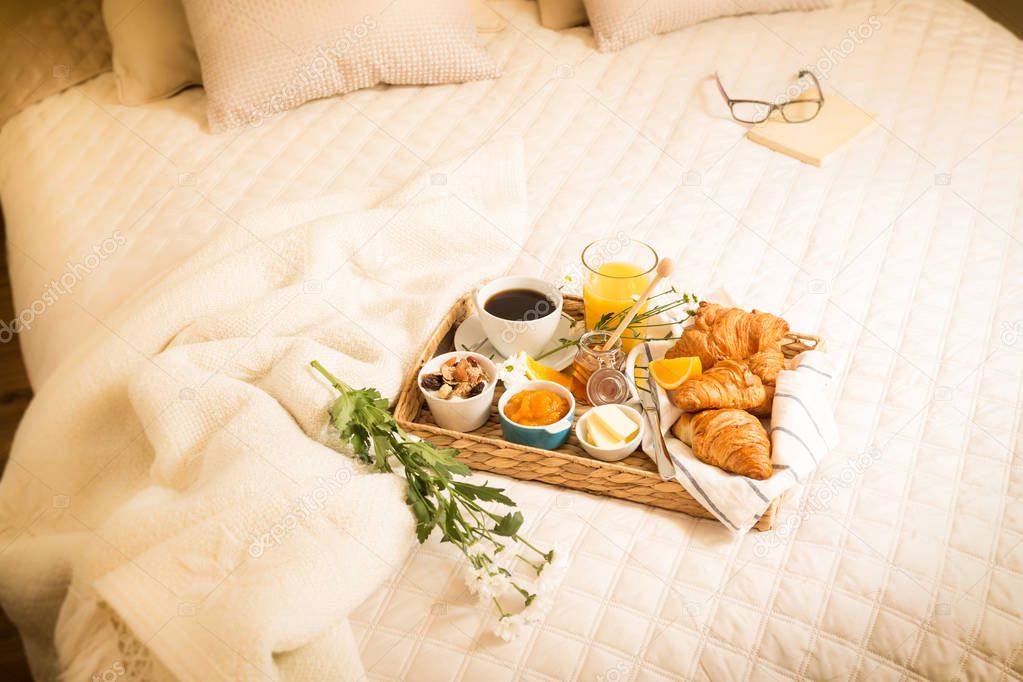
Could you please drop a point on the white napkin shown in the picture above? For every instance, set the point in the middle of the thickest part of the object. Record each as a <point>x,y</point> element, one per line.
<point>802,432</point>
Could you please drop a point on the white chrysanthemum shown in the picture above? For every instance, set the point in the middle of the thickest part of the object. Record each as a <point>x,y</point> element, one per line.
<point>571,282</point>
<point>487,583</point>
<point>553,573</point>
<point>512,371</point>
<point>537,609</point>
<point>509,627</point>
<point>559,558</point>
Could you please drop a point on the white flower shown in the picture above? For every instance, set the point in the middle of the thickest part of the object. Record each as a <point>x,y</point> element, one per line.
<point>537,609</point>
<point>512,371</point>
<point>553,573</point>
<point>559,558</point>
<point>486,582</point>
<point>571,282</point>
<point>509,627</point>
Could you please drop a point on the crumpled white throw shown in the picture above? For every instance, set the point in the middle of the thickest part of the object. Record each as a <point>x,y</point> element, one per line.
<point>173,507</point>
<point>802,430</point>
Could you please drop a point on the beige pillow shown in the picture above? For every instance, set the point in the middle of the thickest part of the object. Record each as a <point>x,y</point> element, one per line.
<point>153,53</point>
<point>49,51</point>
<point>559,14</point>
<point>617,23</point>
<point>259,59</point>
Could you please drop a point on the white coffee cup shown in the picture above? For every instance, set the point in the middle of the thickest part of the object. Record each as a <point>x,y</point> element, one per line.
<point>531,335</point>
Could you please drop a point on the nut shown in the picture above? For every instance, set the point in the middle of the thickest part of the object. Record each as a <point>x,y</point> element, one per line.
<point>444,392</point>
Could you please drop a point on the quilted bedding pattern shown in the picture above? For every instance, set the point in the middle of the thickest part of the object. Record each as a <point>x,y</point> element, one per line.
<point>902,558</point>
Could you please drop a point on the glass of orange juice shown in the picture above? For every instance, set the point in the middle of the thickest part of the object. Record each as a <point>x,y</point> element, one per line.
<point>615,272</point>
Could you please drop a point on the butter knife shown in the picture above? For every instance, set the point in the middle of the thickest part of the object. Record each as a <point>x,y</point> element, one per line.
<point>652,409</point>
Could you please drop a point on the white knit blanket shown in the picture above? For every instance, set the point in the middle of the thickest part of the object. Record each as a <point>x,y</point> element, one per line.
<point>173,485</point>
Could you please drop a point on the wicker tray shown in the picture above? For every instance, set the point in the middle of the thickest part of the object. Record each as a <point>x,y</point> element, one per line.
<point>634,478</point>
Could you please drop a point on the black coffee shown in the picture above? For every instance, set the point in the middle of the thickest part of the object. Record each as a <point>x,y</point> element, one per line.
<point>519,305</point>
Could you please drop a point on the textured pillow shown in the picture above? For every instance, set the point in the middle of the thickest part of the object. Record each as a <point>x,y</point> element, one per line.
<point>559,14</point>
<point>259,59</point>
<point>49,51</point>
<point>617,23</point>
<point>153,53</point>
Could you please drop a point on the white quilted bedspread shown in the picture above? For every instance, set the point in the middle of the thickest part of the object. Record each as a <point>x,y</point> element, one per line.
<point>902,558</point>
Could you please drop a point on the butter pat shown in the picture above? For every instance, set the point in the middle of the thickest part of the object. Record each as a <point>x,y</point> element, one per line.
<point>601,437</point>
<point>615,422</point>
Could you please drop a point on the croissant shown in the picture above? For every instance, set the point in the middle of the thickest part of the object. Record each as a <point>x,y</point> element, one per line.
<point>720,333</point>
<point>766,364</point>
<point>727,384</point>
<point>732,440</point>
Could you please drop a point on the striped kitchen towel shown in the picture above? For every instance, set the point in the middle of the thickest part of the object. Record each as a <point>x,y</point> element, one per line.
<point>802,421</point>
<point>802,429</point>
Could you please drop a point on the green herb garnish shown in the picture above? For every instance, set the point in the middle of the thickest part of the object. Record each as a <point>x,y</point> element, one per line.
<point>436,497</point>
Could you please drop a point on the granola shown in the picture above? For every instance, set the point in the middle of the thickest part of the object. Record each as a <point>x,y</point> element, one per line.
<point>463,378</point>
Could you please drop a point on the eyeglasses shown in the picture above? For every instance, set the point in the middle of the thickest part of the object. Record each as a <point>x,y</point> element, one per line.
<point>758,111</point>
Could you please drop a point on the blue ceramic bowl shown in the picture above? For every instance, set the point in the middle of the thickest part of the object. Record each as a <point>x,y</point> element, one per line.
<point>544,437</point>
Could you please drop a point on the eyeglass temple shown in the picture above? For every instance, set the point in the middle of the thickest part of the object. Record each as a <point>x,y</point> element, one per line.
<point>721,88</point>
<point>817,83</point>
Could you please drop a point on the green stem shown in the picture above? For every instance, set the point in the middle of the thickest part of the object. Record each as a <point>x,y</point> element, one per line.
<point>657,324</point>
<point>562,346</point>
<point>338,384</point>
<point>527,544</point>
<point>536,567</point>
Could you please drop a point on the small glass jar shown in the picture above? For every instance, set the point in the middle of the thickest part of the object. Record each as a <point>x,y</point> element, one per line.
<point>591,357</point>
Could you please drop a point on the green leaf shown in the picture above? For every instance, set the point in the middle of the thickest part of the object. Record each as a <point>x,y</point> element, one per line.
<point>422,512</point>
<point>509,524</point>
<point>483,492</point>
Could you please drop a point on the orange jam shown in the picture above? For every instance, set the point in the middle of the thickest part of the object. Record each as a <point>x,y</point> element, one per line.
<point>536,408</point>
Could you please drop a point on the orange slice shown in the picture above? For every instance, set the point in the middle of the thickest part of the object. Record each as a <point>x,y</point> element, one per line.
<point>670,374</point>
<point>540,372</point>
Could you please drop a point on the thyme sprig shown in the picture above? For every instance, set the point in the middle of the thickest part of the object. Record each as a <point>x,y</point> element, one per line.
<point>610,321</point>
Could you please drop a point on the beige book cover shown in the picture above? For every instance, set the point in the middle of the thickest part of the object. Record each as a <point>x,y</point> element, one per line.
<point>838,124</point>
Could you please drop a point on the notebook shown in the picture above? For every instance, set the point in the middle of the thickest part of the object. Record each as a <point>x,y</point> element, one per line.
<point>838,124</point>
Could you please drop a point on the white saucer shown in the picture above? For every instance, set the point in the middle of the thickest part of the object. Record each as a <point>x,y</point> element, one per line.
<point>470,334</point>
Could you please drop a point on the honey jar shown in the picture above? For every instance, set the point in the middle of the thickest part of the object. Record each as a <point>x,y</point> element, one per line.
<point>592,357</point>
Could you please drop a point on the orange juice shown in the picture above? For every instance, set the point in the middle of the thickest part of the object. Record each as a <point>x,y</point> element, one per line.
<point>610,288</point>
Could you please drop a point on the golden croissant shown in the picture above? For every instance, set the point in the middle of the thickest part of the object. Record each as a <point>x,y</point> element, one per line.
<point>720,333</point>
<point>727,384</point>
<point>733,440</point>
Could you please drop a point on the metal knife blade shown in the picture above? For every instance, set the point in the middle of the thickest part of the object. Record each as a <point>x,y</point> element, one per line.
<point>651,407</point>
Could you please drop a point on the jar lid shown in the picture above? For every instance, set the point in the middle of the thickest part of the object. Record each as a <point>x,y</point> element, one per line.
<point>608,386</point>
<point>594,342</point>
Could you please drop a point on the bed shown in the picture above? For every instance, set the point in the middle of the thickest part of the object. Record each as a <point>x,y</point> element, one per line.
<point>901,559</point>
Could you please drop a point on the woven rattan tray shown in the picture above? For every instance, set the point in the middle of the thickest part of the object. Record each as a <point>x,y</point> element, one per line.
<point>634,479</point>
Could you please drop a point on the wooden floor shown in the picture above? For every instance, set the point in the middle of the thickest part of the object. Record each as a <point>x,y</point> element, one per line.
<point>1009,13</point>
<point>14,395</point>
